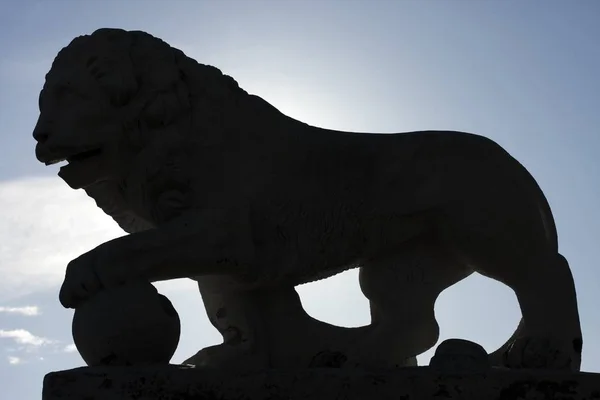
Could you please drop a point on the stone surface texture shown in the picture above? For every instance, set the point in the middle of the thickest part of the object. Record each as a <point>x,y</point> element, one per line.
<point>217,185</point>
<point>416,383</point>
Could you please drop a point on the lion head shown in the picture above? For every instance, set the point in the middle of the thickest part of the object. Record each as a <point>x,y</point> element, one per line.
<point>115,95</point>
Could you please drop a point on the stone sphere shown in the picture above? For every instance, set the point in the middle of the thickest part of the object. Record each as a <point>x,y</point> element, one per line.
<point>129,325</point>
<point>460,355</point>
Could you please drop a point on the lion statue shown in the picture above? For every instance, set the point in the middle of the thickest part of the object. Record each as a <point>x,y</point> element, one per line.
<point>216,185</point>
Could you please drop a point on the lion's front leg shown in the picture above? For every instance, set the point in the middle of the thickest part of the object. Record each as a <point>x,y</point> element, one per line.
<point>269,328</point>
<point>259,327</point>
<point>236,313</point>
<point>194,244</point>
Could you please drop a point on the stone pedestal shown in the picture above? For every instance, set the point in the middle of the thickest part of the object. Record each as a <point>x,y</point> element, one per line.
<point>414,383</point>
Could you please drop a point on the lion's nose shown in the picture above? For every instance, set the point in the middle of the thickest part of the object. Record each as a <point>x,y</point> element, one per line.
<point>41,132</point>
<point>41,137</point>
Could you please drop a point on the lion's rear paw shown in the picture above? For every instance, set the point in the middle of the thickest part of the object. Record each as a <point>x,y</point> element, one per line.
<point>228,357</point>
<point>544,353</point>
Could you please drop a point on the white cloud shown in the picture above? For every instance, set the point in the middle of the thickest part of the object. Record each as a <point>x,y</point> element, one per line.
<point>21,336</point>
<point>70,348</point>
<point>27,343</point>
<point>14,360</point>
<point>28,311</point>
<point>44,224</point>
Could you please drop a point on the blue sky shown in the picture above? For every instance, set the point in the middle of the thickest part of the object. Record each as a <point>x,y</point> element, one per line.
<point>522,73</point>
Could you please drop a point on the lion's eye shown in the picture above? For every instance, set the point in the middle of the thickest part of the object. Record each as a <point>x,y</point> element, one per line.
<point>66,91</point>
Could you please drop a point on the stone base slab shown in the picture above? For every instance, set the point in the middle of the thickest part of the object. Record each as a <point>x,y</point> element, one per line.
<point>176,382</point>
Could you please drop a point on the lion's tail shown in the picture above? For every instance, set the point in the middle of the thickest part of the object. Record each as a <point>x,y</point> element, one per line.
<point>532,189</point>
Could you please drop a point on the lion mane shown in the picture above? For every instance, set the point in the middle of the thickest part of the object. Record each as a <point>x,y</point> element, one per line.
<point>166,102</point>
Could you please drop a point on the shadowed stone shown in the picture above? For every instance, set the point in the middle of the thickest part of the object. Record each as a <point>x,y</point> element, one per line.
<point>456,355</point>
<point>216,185</point>
<point>418,383</point>
<point>129,325</point>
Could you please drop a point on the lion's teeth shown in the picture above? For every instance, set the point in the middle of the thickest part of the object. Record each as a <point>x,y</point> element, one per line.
<point>56,161</point>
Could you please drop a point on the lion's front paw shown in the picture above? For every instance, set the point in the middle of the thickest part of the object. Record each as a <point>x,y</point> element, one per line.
<point>224,356</point>
<point>544,353</point>
<point>91,272</point>
<point>81,281</point>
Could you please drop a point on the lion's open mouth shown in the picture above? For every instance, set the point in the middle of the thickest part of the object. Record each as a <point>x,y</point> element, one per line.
<point>82,169</point>
<point>76,157</point>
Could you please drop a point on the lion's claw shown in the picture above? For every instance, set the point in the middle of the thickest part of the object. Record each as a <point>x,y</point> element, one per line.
<point>90,273</point>
<point>81,282</point>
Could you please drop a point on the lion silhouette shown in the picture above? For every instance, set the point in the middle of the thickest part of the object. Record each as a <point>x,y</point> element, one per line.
<point>216,185</point>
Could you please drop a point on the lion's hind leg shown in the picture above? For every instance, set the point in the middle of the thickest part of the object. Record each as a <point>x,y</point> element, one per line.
<point>551,335</point>
<point>510,244</point>
<point>402,290</point>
